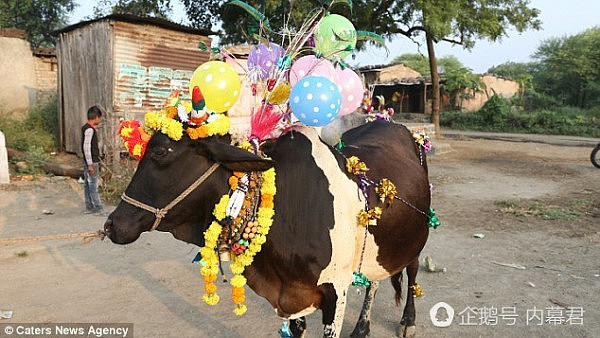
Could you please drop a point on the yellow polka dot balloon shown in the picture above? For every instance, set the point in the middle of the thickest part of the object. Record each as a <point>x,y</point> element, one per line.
<point>219,83</point>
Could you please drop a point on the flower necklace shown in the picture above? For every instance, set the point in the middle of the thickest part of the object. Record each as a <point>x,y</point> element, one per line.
<point>243,251</point>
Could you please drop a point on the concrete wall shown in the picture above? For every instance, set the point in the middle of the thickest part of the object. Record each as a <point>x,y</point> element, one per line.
<point>18,88</point>
<point>500,86</point>
<point>4,178</point>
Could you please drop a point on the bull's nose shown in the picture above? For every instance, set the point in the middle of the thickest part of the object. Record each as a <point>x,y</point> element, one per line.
<point>108,225</point>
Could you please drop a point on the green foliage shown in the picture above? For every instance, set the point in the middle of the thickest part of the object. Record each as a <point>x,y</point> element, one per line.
<point>463,21</point>
<point>461,84</point>
<point>420,63</point>
<point>566,72</point>
<point>113,185</point>
<point>458,81</point>
<point>38,130</point>
<point>37,17</point>
<point>499,115</point>
<point>544,210</point>
<point>568,68</point>
<point>495,111</point>
<point>36,157</point>
<point>150,8</point>
<point>513,70</point>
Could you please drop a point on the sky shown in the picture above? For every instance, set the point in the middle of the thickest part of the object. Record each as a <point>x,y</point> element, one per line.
<point>559,18</point>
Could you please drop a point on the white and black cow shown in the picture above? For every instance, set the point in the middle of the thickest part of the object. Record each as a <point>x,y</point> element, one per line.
<point>315,242</point>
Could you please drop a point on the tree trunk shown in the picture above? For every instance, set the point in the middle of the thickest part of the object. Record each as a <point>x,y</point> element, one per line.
<point>50,167</point>
<point>435,81</point>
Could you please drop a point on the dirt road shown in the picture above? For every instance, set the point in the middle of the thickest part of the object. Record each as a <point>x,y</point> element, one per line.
<point>537,205</point>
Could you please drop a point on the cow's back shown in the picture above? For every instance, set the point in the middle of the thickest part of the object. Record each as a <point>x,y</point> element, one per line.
<point>315,239</point>
<point>389,150</point>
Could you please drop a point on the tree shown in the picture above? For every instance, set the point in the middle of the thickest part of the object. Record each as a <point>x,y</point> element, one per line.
<point>458,22</point>
<point>37,17</point>
<point>416,61</point>
<point>457,81</point>
<point>568,68</point>
<point>151,8</point>
<point>512,70</point>
<point>455,21</point>
<point>461,84</point>
<point>522,72</point>
<point>420,63</point>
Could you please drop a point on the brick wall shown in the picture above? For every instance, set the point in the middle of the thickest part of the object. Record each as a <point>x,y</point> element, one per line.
<point>45,72</point>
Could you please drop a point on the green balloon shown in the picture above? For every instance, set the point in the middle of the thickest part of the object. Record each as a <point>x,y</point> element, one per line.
<point>335,36</point>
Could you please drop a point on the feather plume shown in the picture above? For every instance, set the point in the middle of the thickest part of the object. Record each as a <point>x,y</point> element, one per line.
<point>264,121</point>
<point>370,36</point>
<point>343,2</point>
<point>258,16</point>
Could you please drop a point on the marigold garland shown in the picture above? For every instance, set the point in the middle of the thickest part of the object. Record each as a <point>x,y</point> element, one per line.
<point>218,126</point>
<point>160,122</point>
<point>135,137</point>
<point>241,261</point>
<point>210,260</point>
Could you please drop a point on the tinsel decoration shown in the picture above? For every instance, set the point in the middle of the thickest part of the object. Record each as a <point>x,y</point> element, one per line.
<point>358,279</point>
<point>434,222</point>
<point>369,217</point>
<point>417,290</point>
<point>386,191</point>
<point>355,166</point>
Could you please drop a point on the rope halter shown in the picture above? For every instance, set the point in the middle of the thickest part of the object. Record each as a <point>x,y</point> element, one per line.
<point>160,213</point>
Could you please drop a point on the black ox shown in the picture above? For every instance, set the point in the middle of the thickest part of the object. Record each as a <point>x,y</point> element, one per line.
<point>315,242</point>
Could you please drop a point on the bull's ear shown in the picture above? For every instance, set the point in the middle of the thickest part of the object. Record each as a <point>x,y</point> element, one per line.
<point>236,159</point>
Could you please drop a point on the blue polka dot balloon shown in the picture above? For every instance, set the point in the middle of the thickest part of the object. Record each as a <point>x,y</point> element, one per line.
<point>315,100</point>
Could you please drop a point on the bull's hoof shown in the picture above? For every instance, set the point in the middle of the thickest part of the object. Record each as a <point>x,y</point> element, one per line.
<point>361,331</point>
<point>407,331</point>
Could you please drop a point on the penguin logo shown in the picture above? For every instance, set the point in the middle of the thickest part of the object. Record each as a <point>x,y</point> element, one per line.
<point>438,319</point>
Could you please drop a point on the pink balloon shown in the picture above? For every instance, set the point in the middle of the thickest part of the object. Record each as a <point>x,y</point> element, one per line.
<point>310,65</point>
<point>351,88</point>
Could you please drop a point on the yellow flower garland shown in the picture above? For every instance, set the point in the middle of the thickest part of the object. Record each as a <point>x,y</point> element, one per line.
<point>241,261</point>
<point>160,122</point>
<point>209,256</point>
<point>220,126</point>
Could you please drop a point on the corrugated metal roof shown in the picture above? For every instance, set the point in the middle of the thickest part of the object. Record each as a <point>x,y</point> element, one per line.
<point>149,63</point>
<point>140,20</point>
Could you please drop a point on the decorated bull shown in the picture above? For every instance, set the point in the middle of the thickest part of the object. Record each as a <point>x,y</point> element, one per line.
<point>315,242</point>
<point>298,220</point>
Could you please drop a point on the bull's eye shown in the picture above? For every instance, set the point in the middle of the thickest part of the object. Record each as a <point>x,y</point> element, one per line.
<point>159,151</point>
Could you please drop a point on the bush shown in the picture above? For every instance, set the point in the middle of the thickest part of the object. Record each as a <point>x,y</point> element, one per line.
<point>533,100</point>
<point>497,115</point>
<point>495,110</point>
<point>114,184</point>
<point>35,158</point>
<point>38,129</point>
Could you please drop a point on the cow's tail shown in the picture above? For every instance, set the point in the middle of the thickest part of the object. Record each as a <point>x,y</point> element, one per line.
<point>397,284</point>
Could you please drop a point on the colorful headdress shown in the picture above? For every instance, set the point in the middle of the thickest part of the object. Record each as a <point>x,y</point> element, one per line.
<point>173,119</point>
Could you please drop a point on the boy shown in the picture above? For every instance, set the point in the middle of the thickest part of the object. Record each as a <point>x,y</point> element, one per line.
<point>91,161</point>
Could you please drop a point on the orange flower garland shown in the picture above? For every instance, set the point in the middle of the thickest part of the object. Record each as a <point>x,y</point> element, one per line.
<point>135,138</point>
<point>240,261</point>
<point>218,124</point>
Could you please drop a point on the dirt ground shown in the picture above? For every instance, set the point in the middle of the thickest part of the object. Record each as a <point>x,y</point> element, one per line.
<point>537,205</point>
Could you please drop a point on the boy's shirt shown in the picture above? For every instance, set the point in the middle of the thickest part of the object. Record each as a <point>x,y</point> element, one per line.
<point>89,144</point>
